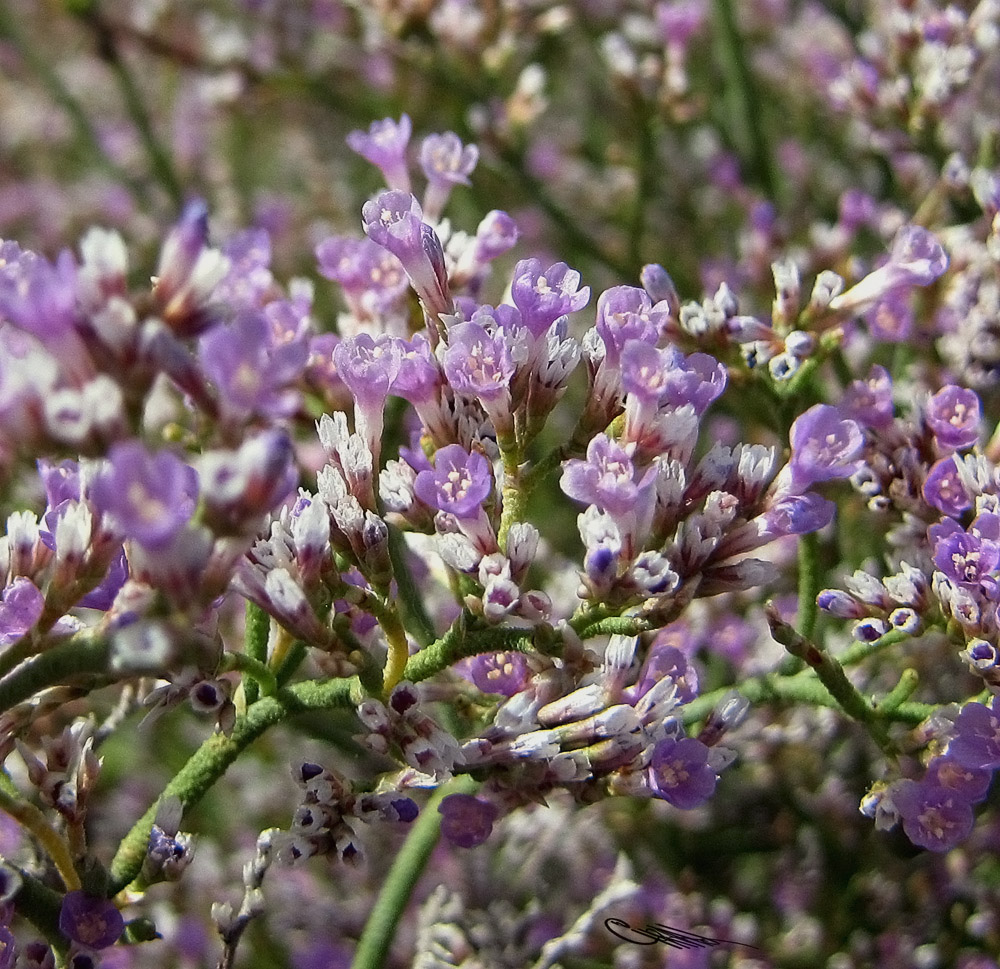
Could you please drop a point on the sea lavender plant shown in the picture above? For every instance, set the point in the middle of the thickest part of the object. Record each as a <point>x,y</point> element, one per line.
<point>339,520</point>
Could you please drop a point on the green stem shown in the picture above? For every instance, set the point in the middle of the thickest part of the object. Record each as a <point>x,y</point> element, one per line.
<point>410,601</point>
<point>32,819</point>
<point>159,160</point>
<point>40,905</point>
<point>460,641</point>
<point>804,687</point>
<point>809,582</point>
<point>743,97</point>
<point>616,626</point>
<point>831,674</point>
<point>291,662</point>
<point>515,497</point>
<point>909,680</point>
<point>258,628</point>
<point>380,929</point>
<point>256,673</point>
<point>215,755</point>
<point>71,658</point>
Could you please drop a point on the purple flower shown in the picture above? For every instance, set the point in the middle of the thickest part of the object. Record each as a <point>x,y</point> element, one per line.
<point>944,489</point>
<point>797,515</point>
<point>646,370</point>
<point>35,295</point>
<point>891,318</point>
<point>478,363</point>
<point>953,414</point>
<point>21,606</point>
<point>917,255</point>
<point>467,820</point>
<point>970,783</point>
<point>626,313</point>
<point>697,380</point>
<point>666,662</point>
<point>680,21</point>
<point>248,281</point>
<point>252,370</point>
<point>368,366</point>
<point>394,221</point>
<point>188,272</point>
<point>459,483</point>
<point>935,818</point>
<point>606,479</point>
<point>446,162</point>
<point>976,743</point>
<point>372,278</point>
<point>916,259</point>
<point>93,922</point>
<point>496,234</point>
<point>869,401</point>
<point>504,672</point>
<point>150,497</point>
<point>825,445</point>
<point>543,295</point>
<point>965,558</point>
<point>384,145</point>
<point>419,375</point>
<point>679,772</point>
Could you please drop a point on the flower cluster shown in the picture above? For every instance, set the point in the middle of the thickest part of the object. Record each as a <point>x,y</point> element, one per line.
<point>512,542</point>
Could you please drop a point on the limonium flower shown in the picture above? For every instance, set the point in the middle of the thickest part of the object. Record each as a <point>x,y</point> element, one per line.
<point>91,921</point>
<point>384,145</point>
<point>149,497</point>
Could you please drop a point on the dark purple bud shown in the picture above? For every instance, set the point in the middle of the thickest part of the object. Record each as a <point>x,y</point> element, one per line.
<point>406,809</point>
<point>467,820</point>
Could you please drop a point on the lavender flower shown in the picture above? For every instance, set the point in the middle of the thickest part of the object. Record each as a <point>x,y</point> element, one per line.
<point>394,220</point>
<point>936,818</point>
<point>445,162</point>
<point>825,445</point>
<point>369,367</point>
<point>916,259</point>
<point>21,606</point>
<point>384,145</point>
<point>459,483</point>
<point>680,774</point>
<point>976,743</point>
<point>90,921</point>
<point>148,497</point>
<point>953,414</point>
<point>504,672</point>
<point>543,295</point>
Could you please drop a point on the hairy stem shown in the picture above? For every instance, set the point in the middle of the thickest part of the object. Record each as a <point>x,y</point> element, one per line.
<point>216,754</point>
<point>380,929</point>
